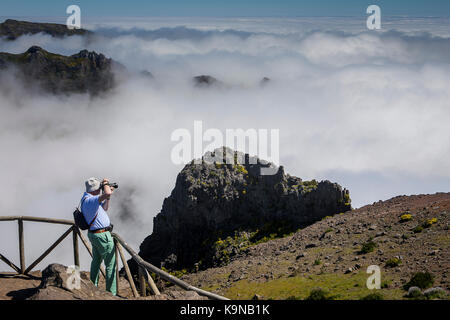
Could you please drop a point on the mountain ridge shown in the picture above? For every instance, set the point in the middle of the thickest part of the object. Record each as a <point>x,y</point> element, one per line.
<point>83,72</point>
<point>12,29</point>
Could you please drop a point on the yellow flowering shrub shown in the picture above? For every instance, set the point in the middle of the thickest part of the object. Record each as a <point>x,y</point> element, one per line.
<point>405,217</point>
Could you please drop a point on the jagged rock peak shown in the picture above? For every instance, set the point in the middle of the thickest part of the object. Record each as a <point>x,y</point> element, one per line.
<point>214,199</point>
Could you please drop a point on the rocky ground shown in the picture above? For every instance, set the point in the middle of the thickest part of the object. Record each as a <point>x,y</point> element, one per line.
<point>327,254</point>
<point>52,284</point>
<point>324,255</point>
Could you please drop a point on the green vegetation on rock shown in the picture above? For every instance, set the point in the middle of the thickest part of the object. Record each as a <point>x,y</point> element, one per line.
<point>309,186</point>
<point>368,247</point>
<point>339,286</point>
<point>418,229</point>
<point>347,200</point>
<point>240,168</point>
<point>272,230</point>
<point>423,280</point>
<point>319,294</point>
<point>373,296</point>
<point>393,262</point>
<point>224,249</point>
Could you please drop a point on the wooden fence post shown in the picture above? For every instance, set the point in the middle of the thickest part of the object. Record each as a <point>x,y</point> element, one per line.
<point>127,269</point>
<point>76,255</point>
<point>21,247</point>
<point>117,266</point>
<point>151,283</point>
<point>166,276</point>
<point>142,284</point>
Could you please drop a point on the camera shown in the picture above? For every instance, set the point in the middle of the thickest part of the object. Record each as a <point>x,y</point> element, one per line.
<point>111,184</point>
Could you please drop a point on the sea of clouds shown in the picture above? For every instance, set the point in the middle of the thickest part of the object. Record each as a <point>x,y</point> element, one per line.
<point>367,109</point>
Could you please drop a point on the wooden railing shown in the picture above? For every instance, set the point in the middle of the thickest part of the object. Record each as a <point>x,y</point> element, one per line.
<point>72,229</point>
<point>144,266</point>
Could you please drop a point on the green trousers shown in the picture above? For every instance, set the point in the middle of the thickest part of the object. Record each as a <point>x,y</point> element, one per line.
<point>103,250</point>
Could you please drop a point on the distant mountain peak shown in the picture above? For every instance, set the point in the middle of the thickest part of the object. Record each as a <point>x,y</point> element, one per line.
<point>12,29</point>
<point>35,49</point>
<point>206,81</point>
<point>84,72</point>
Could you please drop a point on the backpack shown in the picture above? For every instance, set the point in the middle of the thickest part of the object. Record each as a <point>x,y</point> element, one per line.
<point>79,218</point>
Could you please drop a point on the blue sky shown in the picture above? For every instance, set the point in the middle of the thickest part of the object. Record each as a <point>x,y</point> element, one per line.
<point>253,8</point>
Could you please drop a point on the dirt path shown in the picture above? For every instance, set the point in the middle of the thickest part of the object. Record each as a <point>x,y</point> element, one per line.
<point>18,287</point>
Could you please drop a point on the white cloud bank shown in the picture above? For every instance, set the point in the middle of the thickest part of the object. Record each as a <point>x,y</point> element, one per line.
<point>369,110</point>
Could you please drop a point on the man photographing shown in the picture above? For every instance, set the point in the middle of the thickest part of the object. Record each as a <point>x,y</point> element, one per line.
<point>94,204</point>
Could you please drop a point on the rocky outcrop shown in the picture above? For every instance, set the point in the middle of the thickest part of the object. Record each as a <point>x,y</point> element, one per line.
<point>80,73</point>
<point>12,29</point>
<point>212,200</point>
<point>206,81</point>
<point>57,284</point>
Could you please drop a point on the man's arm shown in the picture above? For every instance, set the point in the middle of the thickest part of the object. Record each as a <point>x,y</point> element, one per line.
<point>107,192</point>
<point>105,204</point>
